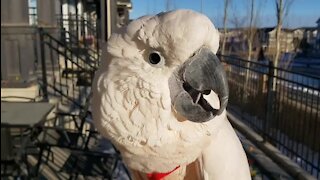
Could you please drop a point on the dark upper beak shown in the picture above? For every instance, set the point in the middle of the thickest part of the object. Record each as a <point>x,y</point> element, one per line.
<point>199,75</point>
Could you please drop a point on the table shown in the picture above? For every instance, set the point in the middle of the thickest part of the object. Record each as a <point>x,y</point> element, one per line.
<point>24,114</point>
<point>27,115</point>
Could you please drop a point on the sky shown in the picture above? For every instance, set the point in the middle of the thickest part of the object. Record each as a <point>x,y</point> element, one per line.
<point>302,13</point>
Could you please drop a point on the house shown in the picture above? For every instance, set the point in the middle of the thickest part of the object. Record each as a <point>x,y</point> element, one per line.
<point>123,8</point>
<point>235,39</point>
<point>291,41</point>
<point>317,47</point>
<point>310,34</point>
<point>107,15</point>
<point>306,39</point>
<point>21,21</point>
<point>286,41</point>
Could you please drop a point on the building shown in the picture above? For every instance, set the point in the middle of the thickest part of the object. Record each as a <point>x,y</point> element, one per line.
<point>317,47</point>
<point>286,41</point>
<point>235,40</point>
<point>73,23</point>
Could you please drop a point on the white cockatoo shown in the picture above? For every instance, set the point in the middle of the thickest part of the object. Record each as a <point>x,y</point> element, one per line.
<point>160,96</point>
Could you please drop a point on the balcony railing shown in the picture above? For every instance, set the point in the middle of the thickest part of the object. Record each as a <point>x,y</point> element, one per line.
<point>281,105</point>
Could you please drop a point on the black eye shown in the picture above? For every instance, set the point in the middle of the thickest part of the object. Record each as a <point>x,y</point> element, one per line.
<point>154,58</point>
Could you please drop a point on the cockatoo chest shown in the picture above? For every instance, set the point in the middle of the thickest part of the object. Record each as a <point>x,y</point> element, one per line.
<point>142,125</point>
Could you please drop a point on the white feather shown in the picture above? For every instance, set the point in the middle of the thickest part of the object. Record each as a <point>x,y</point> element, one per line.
<point>132,105</point>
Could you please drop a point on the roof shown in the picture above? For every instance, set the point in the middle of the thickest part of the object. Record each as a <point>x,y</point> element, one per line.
<point>307,28</point>
<point>267,29</point>
<point>318,21</point>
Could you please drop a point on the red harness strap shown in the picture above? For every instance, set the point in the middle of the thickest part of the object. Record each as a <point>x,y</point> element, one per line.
<point>159,176</point>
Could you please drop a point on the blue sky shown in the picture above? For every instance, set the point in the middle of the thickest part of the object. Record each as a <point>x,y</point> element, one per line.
<point>302,12</point>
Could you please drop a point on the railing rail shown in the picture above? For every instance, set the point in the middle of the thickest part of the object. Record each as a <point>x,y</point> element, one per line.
<point>65,74</point>
<point>72,40</point>
<point>281,105</point>
<point>91,63</point>
<point>81,28</point>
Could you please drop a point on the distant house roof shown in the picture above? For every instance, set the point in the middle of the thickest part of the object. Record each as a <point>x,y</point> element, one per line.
<point>287,30</point>
<point>318,21</point>
<point>231,29</point>
<point>307,28</point>
<point>267,29</point>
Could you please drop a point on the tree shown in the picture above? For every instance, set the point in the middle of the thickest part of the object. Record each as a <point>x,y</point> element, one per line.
<point>236,20</point>
<point>282,9</point>
<point>250,20</point>
<point>225,17</point>
<point>170,4</point>
<point>251,33</point>
<point>252,29</point>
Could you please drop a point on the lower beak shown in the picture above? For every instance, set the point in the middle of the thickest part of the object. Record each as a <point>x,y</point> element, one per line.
<point>198,76</point>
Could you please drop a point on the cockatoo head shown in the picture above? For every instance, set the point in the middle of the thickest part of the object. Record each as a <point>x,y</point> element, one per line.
<point>160,91</point>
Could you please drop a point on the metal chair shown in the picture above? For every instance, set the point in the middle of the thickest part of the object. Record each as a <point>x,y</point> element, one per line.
<point>86,158</point>
<point>14,145</point>
<point>10,158</point>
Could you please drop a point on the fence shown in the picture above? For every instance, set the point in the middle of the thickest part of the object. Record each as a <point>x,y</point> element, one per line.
<point>74,30</point>
<point>281,105</point>
<point>65,73</point>
<point>82,28</point>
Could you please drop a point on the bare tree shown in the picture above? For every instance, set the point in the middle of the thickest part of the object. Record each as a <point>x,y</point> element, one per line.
<point>251,32</point>
<point>225,17</point>
<point>236,20</point>
<point>282,9</point>
<point>251,19</point>
<point>252,28</point>
<point>170,4</point>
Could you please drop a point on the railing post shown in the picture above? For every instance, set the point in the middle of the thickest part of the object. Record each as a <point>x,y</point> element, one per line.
<point>269,103</point>
<point>43,65</point>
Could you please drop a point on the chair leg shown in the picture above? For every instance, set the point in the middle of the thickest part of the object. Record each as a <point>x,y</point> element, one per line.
<point>37,169</point>
<point>49,154</point>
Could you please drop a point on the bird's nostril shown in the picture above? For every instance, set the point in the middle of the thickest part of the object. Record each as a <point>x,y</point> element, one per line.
<point>194,94</point>
<point>206,92</point>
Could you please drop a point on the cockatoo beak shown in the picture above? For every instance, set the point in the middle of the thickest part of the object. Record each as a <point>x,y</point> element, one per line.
<point>198,76</point>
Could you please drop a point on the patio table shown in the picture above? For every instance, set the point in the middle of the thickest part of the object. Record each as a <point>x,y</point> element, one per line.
<point>24,114</point>
<point>28,115</point>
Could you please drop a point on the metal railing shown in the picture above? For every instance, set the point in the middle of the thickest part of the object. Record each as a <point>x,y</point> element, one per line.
<point>281,105</point>
<point>68,75</point>
<point>82,28</point>
<point>65,74</point>
<point>81,48</point>
<point>75,30</point>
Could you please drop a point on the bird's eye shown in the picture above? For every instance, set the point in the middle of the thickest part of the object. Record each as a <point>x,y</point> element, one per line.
<point>154,58</point>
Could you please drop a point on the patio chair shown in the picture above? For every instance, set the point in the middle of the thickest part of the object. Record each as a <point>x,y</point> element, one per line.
<point>86,158</point>
<point>8,165</point>
<point>13,162</point>
<point>93,163</point>
<point>60,136</point>
<point>14,146</point>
